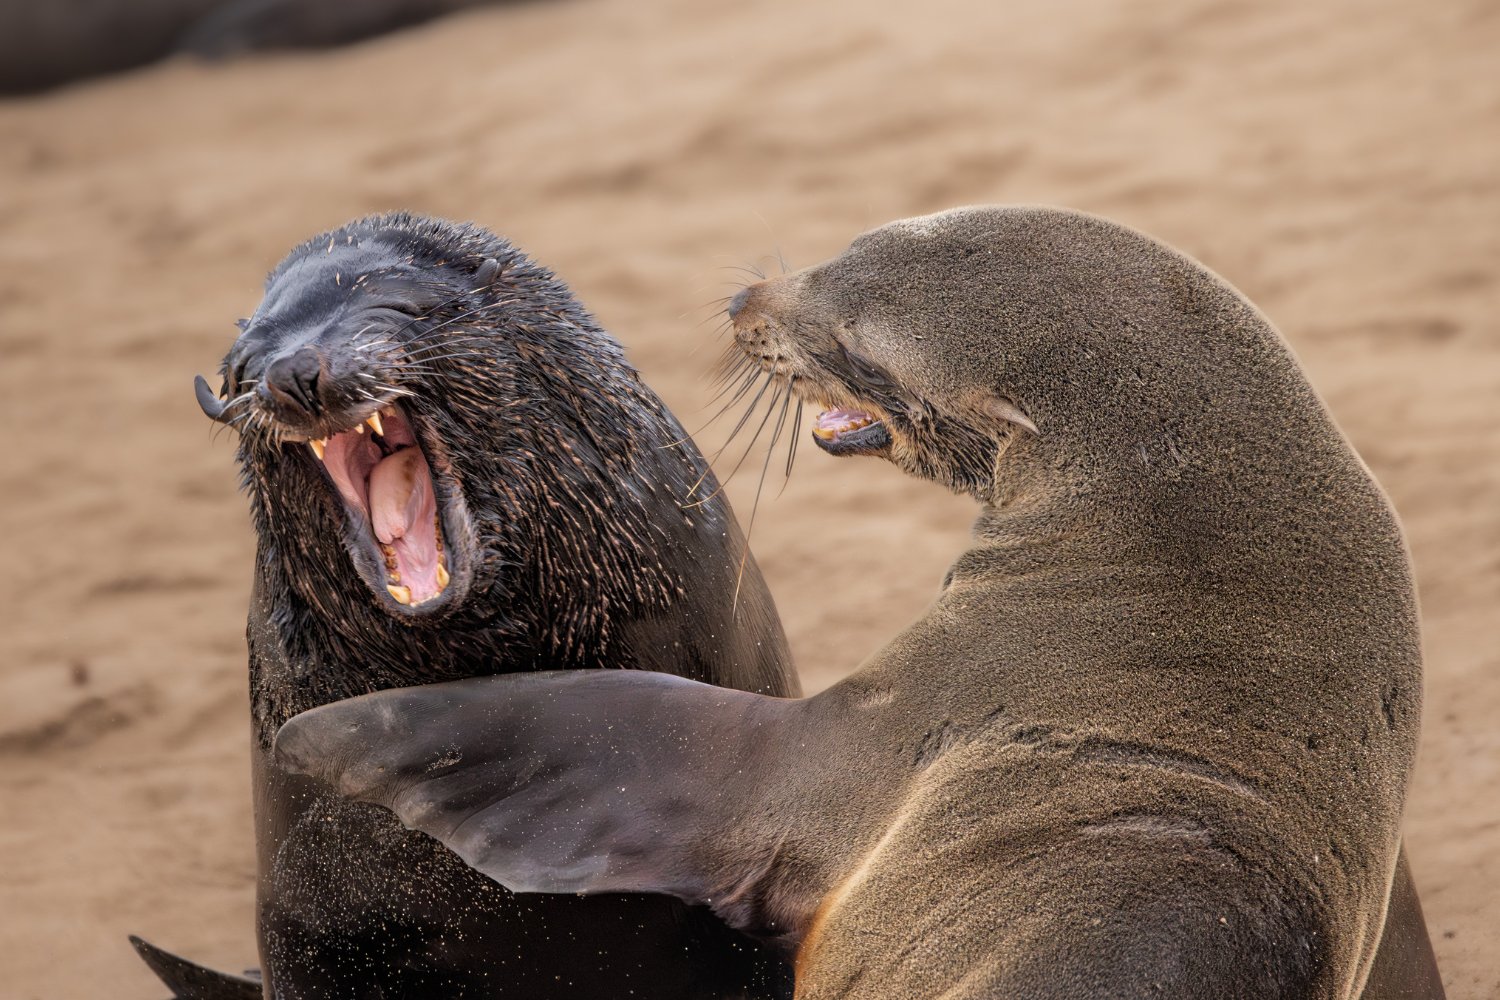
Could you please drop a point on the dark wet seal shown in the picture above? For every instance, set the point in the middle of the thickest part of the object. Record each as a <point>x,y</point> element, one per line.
<point>452,471</point>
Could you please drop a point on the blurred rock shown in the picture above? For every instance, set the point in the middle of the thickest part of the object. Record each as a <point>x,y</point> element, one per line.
<point>48,44</point>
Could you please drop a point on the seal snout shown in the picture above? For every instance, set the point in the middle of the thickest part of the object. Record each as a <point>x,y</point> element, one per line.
<point>851,429</point>
<point>311,388</point>
<point>737,303</point>
<point>292,381</point>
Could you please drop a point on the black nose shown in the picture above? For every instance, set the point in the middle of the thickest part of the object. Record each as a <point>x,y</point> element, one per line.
<point>738,302</point>
<point>292,380</point>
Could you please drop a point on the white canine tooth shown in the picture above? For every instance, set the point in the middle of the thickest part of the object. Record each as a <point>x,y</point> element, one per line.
<point>401,594</point>
<point>442,575</point>
<point>317,445</point>
<point>375,425</point>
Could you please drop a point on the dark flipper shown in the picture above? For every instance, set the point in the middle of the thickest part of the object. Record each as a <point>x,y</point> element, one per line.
<point>188,981</point>
<point>1404,968</point>
<point>583,781</point>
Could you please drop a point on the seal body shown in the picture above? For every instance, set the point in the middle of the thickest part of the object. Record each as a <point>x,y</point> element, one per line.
<point>452,471</point>
<point>1153,736</point>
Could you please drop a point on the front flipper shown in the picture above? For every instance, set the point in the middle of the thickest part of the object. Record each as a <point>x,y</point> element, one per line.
<point>190,981</point>
<point>576,781</point>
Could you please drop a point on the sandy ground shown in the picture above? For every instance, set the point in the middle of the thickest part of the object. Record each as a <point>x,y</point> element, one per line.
<point>1337,161</point>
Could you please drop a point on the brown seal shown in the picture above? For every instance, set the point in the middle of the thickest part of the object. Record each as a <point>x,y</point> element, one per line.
<point>1151,739</point>
<point>453,471</point>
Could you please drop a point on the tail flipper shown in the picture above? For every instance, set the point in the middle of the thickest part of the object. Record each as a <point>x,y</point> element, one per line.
<point>188,981</point>
<point>1404,968</point>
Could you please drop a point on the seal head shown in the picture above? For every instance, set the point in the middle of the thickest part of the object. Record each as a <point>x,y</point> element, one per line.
<point>335,359</point>
<point>445,455</point>
<point>851,341</point>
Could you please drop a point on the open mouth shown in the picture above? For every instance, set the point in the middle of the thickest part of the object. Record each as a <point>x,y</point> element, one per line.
<point>850,432</point>
<point>382,473</point>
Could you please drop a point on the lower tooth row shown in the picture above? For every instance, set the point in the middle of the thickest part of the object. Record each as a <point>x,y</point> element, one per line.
<point>400,593</point>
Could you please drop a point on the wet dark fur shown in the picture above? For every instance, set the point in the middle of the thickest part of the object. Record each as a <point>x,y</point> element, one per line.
<point>580,555</point>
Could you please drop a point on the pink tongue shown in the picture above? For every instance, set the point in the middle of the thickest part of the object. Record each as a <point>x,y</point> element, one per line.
<point>402,509</point>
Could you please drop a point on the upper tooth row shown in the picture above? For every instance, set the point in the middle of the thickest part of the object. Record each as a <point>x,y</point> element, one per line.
<point>827,433</point>
<point>319,445</point>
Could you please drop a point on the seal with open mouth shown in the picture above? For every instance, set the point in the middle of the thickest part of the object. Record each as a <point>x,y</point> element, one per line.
<point>1152,738</point>
<point>453,471</point>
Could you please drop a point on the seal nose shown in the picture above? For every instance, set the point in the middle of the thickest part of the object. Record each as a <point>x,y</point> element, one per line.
<point>738,302</point>
<point>293,380</point>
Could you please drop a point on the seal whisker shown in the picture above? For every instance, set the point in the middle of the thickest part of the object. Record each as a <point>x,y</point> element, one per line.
<point>771,232</point>
<point>227,419</point>
<point>456,355</point>
<point>786,399</point>
<point>712,304</point>
<point>477,310</point>
<point>749,269</point>
<point>736,392</point>
<point>450,342</point>
<point>459,347</point>
<point>731,362</point>
<point>791,451</point>
<point>739,389</point>
<point>731,377</point>
<point>429,313</point>
<point>444,349</point>
<point>719,327</point>
<point>419,342</point>
<point>749,412</point>
<point>760,429</point>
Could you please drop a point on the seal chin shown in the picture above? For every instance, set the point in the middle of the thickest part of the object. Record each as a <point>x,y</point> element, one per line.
<point>396,509</point>
<point>842,431</point>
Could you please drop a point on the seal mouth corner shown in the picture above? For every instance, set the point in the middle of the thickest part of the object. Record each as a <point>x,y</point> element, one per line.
<point>850,431</point>
<point>396,509</point>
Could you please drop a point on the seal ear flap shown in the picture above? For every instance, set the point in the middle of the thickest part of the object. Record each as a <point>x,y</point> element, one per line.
<point>487,273</point>
<point>1003,409</point>
<point>579,781</point>
<point>213,407</point>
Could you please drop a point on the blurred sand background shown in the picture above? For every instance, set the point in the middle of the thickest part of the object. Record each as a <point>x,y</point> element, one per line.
<point>1337,161</point>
